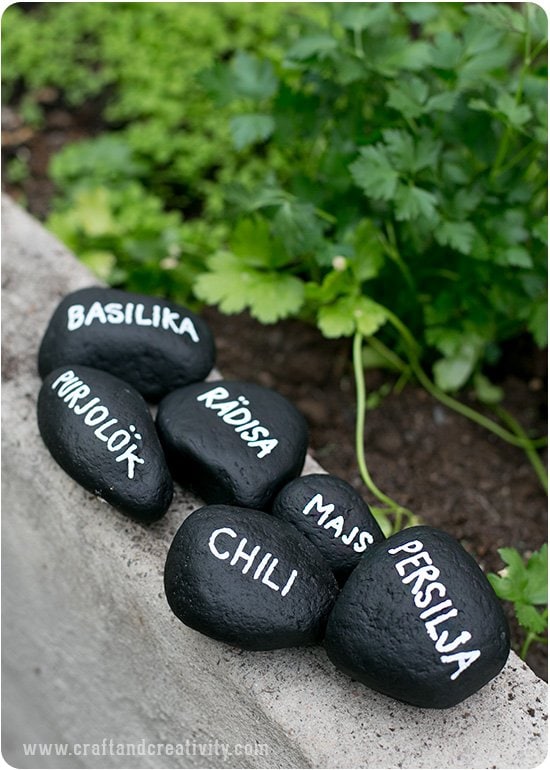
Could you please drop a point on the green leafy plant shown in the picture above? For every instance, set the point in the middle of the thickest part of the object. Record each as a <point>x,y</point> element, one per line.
<point>525,584</point>
<point>395,162</point>
<point>162,142</point>
<point>127,238</point>
<point>404,196</point>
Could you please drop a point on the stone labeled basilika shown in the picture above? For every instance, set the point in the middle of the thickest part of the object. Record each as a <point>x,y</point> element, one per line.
<point>151,343</point>
<point>99,430</point>
<point>419,621</point>
<point>330,513</point>
<point>235,443</point>
<point>243,577</point>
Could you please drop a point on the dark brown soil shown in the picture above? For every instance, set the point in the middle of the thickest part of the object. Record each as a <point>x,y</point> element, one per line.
<point>450,472</point>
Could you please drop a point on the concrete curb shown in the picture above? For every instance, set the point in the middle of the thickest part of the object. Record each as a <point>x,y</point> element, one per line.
<point>92,652</point>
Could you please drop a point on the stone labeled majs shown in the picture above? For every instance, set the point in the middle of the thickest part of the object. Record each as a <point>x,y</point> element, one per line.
<point>99,430</point>
<point>419,621</point>
<point>151,343</point>
<point>232,442</point>
<point>243,577</point>
<point>329,512</point>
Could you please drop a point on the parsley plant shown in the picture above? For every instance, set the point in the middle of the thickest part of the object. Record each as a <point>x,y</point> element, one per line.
<point>526,586</point>
<point>403,195</point>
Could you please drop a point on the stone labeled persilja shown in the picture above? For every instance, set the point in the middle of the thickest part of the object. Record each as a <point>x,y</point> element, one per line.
<point>419,621</point>
<point>232,442</point>
<point>99,430</point>
<point>151,343</point>
<point>245,578</point>
<point>332,515</point>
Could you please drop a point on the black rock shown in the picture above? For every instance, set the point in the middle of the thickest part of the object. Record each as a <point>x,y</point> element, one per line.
<point>248,579</point>
<point>153,344</point>
<point>232,442</point>
<point>419,621</point>
<point>332,515</point>
<point>101,433</point>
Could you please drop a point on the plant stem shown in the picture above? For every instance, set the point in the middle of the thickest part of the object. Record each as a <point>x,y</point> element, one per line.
<point>530,451</point>
<point>358,43</point>
<point>390,244</point>
<point>453,403</point>
<point>391,357</point>
<point>325,215</point>
<point>397,509</point>
<point>529,638</point>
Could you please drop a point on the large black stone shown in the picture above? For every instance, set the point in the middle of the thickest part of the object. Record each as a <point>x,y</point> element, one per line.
<point>419,621</point>
<point>248,579</point>
<point>153,344</point>
<point>209,447</point>
<point>99,430</point>
<point>332,515</point>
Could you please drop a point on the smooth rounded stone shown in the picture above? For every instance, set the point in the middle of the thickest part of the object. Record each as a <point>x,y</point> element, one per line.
<point>331,514</point>
<point>232,442</point>
<point>419,621</point>
<point>151,343</point>
<point>99,430</point>
<point>245,578</point>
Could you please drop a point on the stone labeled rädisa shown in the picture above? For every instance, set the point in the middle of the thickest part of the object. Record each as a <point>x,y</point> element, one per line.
<point>235,443</point>
<point>99,430</point>
<point>151,343</point>
<point>419,621</point>
<point>330,513</point>
<point>245,578</point>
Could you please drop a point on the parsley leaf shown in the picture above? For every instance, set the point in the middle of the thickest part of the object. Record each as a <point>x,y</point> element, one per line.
<point>516,114</point>
<point>368,256</point>
<point>272,296</point>
<point>408,98</point>
<point>374,174</point>
<point>312,45</point>
<point>253,77</point>
<point>458,235</point>
<point>530,618</point>
<point>413,202</point>
<point>297,226</point>
<point>360,16</point>
<point>269,295</point>
<point>253,242</point>
<point>538,321</point>
<point>525,585</point>
<point>249,129</point>
<point>225,285</point>
<point>520,582</point>
<point>349,314</point>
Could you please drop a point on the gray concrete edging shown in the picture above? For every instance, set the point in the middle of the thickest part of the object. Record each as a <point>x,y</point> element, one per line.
<point>91,651</point>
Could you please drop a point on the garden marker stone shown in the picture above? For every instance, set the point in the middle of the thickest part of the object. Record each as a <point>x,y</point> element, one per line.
<point>232,442</point>
<point>99,430</point>
<point>245,578</point>
<point>153,344</point>
<point>419,621</point>
<point>329,512</point>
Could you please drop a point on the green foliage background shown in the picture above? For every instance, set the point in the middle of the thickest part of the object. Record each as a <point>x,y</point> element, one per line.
<point>340,162</point>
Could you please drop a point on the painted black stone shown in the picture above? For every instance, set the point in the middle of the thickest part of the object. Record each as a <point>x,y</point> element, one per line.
<point>419,621</point>
<point>153,344</point>
<point>245,578</point>
<point>331,514</point>
<point>232,442</point>
<point>99,430</point>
